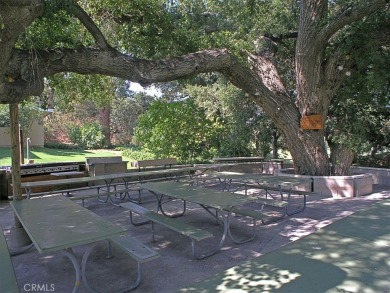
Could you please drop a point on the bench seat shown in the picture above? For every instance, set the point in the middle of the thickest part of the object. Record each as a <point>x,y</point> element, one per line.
<point>282,192</point>
<point>157,163</point>
<point>251,213</point>
<point>8,282</point>
<point>135,249</point>
<point>108,195</point>
<point>194,233</point>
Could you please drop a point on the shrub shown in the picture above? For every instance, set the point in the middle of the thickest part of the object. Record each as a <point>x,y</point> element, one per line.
<point>61,146</point>
<point>138,154</point>
<point>88,136</point>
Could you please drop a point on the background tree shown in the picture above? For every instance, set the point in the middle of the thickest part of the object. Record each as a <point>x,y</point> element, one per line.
<point>73,89</point>
<point>125,112</point>
<point>240,122</point>
<point>179,129</point>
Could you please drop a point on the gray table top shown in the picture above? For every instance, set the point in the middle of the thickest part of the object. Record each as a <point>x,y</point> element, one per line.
<point>264,179</point>
<point>204,196</point>
<point>56,223</point>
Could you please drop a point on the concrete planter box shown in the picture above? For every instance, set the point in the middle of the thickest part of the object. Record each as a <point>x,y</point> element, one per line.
<point>379,175</point>
<point>339,186</point>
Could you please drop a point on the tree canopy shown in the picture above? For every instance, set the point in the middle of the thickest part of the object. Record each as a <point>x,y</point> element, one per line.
<point>291,58</point>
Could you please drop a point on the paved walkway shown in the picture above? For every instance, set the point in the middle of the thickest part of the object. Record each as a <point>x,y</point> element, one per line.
<point>335,259</point>
<point>350,255</point>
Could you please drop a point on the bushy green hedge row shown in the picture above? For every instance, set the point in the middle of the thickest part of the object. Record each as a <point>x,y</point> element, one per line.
<point>136,153</point>
<point>62,146</point>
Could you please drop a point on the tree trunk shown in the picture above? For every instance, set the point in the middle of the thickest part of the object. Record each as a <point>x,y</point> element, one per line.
<point>275,148</point>
<point>341,159</point>
<point>307,148</point>
<point>105,122</point>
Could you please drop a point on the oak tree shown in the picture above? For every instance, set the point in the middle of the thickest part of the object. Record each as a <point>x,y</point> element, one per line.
<point>290,57</point>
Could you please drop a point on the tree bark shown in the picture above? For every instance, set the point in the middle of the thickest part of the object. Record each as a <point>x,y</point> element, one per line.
<point>105,114</point>
<point>275,147</point>
<point>15,147</point>
<point>341,159</point>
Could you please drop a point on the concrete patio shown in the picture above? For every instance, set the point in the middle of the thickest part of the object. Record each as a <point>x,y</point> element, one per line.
<point>175,269</point>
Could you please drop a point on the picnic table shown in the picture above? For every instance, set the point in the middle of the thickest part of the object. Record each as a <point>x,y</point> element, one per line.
<point>282,185</point>
<point>228,178</point>
<point>264,166</point>
<point>225,203</point>
<point>58,224</point>
<point>238,159</point>
<point>67,175</point>
<point>126,178</point>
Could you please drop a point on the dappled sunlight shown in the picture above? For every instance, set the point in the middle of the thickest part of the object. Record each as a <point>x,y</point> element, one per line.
<point>306,227</point>
<point>162,243</point>
<point>272,274</point>
<point>266,276</point>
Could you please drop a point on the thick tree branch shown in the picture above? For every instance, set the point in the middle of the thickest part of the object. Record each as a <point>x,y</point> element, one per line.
<point>112,63</point>
<point>340,65</point>
<point>145,72</point>
<point>352,14</point>
<point>281,37</point>
<point>90,25</point>
<point>14,20</point>
<point>265,68</point>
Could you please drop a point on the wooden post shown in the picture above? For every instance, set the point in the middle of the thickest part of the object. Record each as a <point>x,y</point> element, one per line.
<point>18,236</point>
<point>15,145</point>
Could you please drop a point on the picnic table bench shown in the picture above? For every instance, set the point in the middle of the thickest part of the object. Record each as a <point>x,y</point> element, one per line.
<point>284,186</point>
<point>238,159</point>
<point>8,282</point>
<point>281,191</point>
<point>192,232</point>
<point>157,163</point>
<point>220,205</point>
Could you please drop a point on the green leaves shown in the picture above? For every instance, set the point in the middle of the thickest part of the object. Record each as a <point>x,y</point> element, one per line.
<point>73,88</point>
<point>88,135</point>
<point>178,129</point>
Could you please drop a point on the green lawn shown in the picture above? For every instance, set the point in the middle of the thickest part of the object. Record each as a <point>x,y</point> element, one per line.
<point>48,155</point>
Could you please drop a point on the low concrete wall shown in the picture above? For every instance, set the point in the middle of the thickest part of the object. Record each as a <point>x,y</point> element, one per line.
<point>379,175</point>
<point>339,186</point>
<point>343,186</point>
